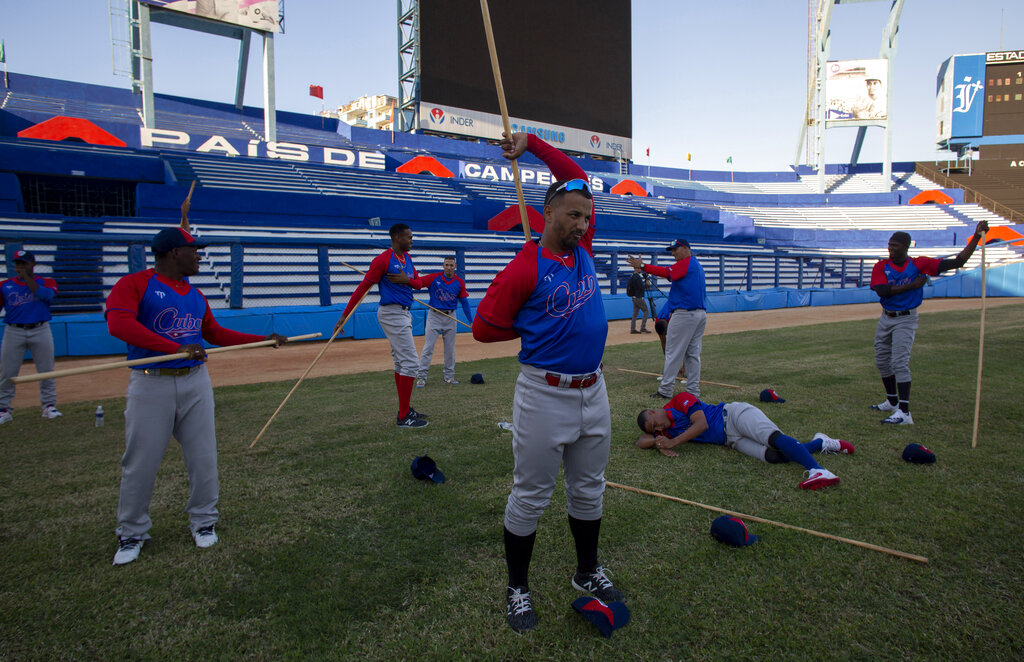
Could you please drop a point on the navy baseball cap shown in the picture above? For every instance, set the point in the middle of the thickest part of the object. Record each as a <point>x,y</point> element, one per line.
<point>732,531</point>
<point>918,454</point>
<point>476,379</point>
<point>425,468</point>
<point>24,256</point>
<point>769,395</point>
<point>170,238</point>
<point>607,616</point>
<point>676,244</point>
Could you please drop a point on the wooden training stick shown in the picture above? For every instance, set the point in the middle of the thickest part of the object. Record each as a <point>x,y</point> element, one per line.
<point>188,201</point>
<point>865,545</point>
<point>981,348</point>
<point>654,374</point>
<point>333,336</point>
<point>86,369</point>
<point>504,115</point>
<point>454,316</point>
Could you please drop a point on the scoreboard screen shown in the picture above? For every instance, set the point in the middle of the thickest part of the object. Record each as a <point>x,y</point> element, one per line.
<point>1004,98</point>
<point>566,63</point>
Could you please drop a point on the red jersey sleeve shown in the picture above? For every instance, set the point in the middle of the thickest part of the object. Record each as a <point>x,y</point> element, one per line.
<point>426,280</point>
<point>878,276</point>
<point>675,272</point>
<point>506,295</point>
<point>929,266</point>
<point>682,402</point>
<point>463,294</point>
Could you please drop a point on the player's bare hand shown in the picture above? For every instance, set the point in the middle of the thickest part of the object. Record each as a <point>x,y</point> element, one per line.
<point>195,351</point>
<point>400,278</point>
<point>339,325</point>
<point>982,227</point>
<point>185,206</point>
<point>920,281</point>
<point>635,262</point>
<point>514,147</point>
<point>668,453</point>
<point>663,443</point>
<point>277,338</point>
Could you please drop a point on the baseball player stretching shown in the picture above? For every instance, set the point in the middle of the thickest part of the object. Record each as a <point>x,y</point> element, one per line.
<point>157,312</point>
<point>445,289</point>
<point>688,319</point>
<point>548,297</point>
<point>396,276</point>
<point>26,299</point>
<point>737,425</point>
<point>898,282</point>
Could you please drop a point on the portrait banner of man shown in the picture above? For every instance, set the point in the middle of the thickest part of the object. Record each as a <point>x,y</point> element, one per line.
<point>856,90</point>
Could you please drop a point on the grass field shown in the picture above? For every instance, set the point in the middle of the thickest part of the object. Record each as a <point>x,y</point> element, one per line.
<point>330,549</point>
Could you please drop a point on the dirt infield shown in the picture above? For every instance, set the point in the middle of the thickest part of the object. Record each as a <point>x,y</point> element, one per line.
<point>251,366</point>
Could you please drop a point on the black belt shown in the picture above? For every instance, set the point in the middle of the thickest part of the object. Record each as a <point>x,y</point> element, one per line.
<point>447,312</point>
<point>397,304</point>
<point>34,325</point>
<point>167,372</point>
<point>897,313</point>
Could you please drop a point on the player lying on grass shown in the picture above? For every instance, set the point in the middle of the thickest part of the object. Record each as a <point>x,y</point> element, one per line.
<point>740,426</point>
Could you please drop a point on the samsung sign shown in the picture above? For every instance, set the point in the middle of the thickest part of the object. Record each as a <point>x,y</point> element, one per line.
<point>476,124</point>
<point>285,151</point>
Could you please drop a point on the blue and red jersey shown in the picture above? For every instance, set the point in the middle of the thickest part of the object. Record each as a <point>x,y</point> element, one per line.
<point>551,302</point>
<point>681,407</point>
<point>23,306</point>
<point>886,272</point>
<point>445,293</point>
<point>157,315</point>
<point>387,262</point>
<point>687,276</point>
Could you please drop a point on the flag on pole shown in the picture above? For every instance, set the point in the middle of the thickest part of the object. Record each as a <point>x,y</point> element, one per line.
<point>316,91</point>
<point>689,156</point>
<point>3,56</point>
<point>729,160</point>
<point>648,151</point>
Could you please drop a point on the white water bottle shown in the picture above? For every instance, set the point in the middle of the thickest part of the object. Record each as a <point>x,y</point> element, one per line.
<point>99,416</point>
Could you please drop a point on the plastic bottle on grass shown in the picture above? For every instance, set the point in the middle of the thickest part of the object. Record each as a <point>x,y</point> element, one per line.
<point>99,417</point>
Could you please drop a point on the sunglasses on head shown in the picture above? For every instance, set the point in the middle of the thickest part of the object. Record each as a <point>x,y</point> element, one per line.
<point>570,185</point>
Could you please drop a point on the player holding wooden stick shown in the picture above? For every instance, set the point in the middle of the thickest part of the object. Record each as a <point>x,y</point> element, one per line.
<point>157,312</point>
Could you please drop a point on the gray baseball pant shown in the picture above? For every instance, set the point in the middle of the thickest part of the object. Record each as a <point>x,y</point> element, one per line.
<point>894,339</point>
<point>38,341</point>
<point>396,321</point>
<point>156,408</point>
<point>554,426</point>
<point>439,324</point>
<point>682,348</point>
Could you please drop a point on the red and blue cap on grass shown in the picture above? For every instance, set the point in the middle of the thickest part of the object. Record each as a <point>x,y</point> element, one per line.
<point>769,395</point>
<point>918,454</point>
<point>607,616</point>
<point>732,531</point>
<point>425,468</point>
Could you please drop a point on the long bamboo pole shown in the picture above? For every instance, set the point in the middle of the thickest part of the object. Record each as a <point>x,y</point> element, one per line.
<point>754,518</point>
<point>504,115</point>
<point>981,349</point>
<point>86,369</point>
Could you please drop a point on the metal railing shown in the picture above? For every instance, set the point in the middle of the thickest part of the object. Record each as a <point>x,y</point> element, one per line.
<point>970,195</point>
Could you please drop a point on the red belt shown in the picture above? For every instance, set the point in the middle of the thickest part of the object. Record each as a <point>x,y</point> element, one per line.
<point>578,381</point>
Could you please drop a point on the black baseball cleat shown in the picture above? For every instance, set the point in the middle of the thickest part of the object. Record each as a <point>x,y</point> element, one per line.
<point>597,584</point>
<point>413,412</point>
<point>411,421</point>
<point>657,394</point>
<point>519,610</point>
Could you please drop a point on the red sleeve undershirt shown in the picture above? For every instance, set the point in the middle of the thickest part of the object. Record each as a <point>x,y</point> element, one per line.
<point>675,272</point>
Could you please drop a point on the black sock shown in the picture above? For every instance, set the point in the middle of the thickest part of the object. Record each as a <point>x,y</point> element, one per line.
<point>585,532</point>
<point>518,551</point>
<point>890,388</point>
<point>904,390</point>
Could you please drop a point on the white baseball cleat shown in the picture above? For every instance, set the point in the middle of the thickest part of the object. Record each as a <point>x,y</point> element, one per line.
<point>50,411</point>
<point>830,445</point>
<point>205,537</point>
<point>127,550</point>
<point>818,478</point>
<point>420,383</point>
<point>899,417</point>
<point>885,406</point>
<point>5,416</point>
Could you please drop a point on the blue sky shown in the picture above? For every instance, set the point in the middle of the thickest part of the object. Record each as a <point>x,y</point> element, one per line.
<point>712,78</point>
